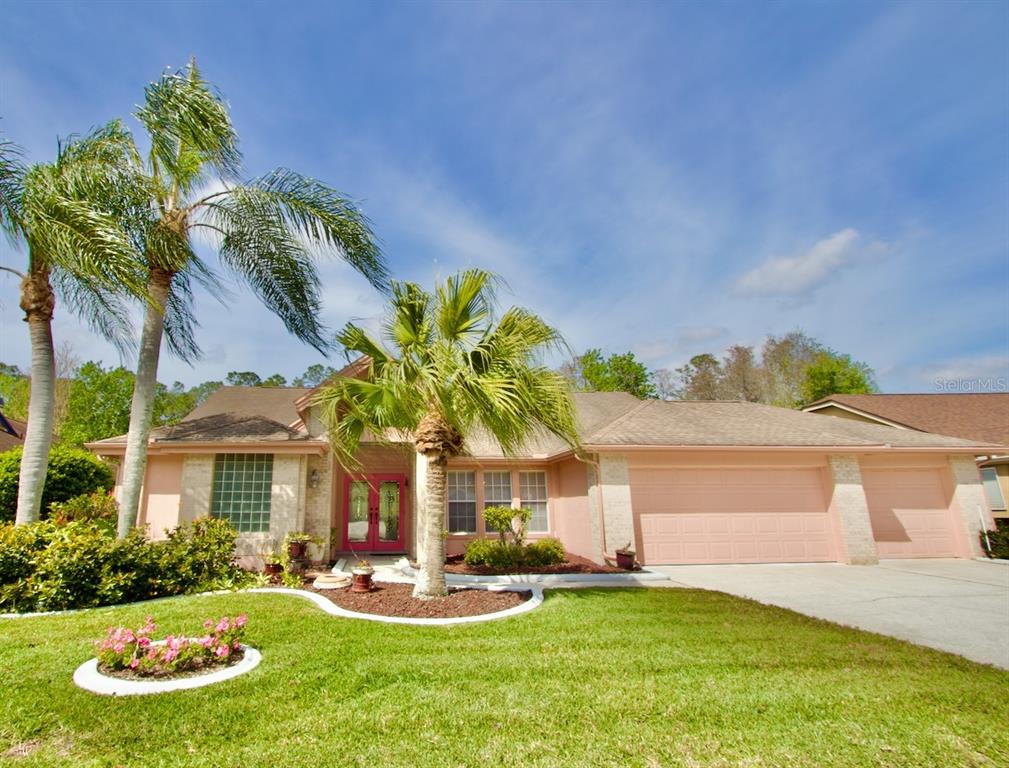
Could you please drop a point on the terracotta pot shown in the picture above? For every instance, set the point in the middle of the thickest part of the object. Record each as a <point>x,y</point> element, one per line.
<point>273,569</point>
<point>361,581</point>
<point>297,548</point>
<point>625,559</point>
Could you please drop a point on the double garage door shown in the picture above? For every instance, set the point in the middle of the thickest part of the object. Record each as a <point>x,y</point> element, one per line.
<point>780,515</point>
<point>732,515</point>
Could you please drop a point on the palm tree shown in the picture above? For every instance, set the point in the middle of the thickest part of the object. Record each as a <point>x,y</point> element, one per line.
<point>71,215</point>
<point>447,371</point>
<point>265,232</point>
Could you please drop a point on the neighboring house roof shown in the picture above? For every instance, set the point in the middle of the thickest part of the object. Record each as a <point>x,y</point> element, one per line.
<point>12,433</point>
<point>657,423</point>
<point>972,416</point>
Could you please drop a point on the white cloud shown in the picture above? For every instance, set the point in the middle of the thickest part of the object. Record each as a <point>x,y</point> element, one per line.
<point>797,276</point>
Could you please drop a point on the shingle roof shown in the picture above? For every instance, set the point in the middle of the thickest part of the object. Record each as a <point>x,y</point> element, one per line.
<point>734,424</point>
<point>7,440</point>
<point>972,416</point>
<point>275,403</point>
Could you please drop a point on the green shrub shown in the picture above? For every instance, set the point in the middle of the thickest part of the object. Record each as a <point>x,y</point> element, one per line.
<point>999,539</point>
<point>51,565</point>
<point>504,556</point>
<point>71,472</point>
<point>545,552</point>
<point>509,523</point>
<point>88,506</point>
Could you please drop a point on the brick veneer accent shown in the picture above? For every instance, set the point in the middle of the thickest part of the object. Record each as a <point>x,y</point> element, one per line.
<point>618,515</point>
<point>319,504</point>
<point>968,495</point>
<point>197,485</point>
<point>852,511</point>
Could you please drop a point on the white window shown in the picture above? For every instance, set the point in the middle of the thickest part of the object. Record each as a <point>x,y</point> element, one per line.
<point>533,495</point>
<point>989,477</point>
<point>462,502</point>
<point>497,492</point>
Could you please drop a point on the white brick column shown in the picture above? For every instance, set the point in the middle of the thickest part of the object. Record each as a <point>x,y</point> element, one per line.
<point>419,502</point>
<point>319,504</point>
<point>618,517</point>
<point>852,511</point>
<point>197,485</point>
<point>968,495</point>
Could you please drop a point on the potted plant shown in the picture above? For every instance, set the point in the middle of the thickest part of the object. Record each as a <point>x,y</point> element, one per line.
<point>273,565</point>
<point>297,544</point>
<point>361,573</point>
<point>625,557</point>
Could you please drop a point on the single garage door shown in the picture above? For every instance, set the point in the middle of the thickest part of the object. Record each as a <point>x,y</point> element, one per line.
<point>732,515</point>
<point>909,513</point>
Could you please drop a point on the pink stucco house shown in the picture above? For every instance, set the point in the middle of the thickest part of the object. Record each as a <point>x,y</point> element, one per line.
<point>683,482</point>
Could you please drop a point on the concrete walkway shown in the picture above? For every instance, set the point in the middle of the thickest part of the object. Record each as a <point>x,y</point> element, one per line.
<point>960,606</point>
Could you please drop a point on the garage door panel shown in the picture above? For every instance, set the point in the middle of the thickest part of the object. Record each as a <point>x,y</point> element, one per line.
<point>909,513</point>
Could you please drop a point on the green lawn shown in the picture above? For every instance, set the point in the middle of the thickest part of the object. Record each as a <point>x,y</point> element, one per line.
<point>596,677</point>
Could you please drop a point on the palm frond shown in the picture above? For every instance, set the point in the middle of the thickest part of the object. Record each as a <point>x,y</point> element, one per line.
<point>102,309</point>
<point>464,304</point>
<point>189,127</point>
<point>324,218</point>
<point>12,174</point>
<point>260,249</point>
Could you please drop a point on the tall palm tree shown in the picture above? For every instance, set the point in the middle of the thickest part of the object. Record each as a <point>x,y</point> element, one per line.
<point>72,216</point>
<point>448,369</point>
<point>265,231</point>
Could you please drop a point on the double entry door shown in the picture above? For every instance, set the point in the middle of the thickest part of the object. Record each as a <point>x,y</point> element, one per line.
<point>375,519</point>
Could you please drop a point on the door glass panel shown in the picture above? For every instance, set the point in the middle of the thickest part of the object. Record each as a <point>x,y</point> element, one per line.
<point>388,510</point>
<point>357,511</point>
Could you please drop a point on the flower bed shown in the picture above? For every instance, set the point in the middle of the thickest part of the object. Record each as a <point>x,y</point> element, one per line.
<point>132,654</point>
<point>572,564</point>
<point>396,599</point>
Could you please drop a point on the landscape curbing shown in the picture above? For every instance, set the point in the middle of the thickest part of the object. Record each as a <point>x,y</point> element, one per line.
<point>331,608</point>
<point>636,577</point>
<point>88,677</point>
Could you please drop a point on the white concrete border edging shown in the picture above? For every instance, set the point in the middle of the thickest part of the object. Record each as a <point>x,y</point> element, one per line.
<point>534,601</point>
<point>88,677</point>
<point>636,577</point>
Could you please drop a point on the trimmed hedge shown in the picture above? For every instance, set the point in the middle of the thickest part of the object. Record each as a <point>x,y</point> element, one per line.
<point>72,472</point>
<point>48,566</point>
<point>504,556</point>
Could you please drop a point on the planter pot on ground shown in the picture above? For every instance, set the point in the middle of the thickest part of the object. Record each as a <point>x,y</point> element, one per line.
<point>273,569</point>
<point>297,549</point>
<point>625,559</point>
<point>361,580</point>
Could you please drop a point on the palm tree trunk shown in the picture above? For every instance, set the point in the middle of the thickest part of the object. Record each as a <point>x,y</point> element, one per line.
<point>431,575</point>
<point>142,408</point>
<point>37,301</point>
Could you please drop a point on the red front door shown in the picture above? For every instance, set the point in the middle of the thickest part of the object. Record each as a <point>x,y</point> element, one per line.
<point>375,518</point>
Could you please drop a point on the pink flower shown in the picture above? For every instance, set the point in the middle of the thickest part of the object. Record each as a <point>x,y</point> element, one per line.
<point>128,636</point>
<point>144,642</point>
<point>208,624</point>
<point>222,651</point>
<point>170,655</point>
<point>172,642</point>
<point>241,621</point>
<point>236,645</point>
<point>134,664</point>
<point>207,641</point>
<point>152,654</point>
<point>222,625</point>
<point>119,648</point>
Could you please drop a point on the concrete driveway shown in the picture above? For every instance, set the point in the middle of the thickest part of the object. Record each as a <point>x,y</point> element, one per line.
<point>960,606</point>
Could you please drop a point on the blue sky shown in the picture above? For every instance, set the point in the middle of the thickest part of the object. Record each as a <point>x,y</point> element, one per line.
<point>668,178</point>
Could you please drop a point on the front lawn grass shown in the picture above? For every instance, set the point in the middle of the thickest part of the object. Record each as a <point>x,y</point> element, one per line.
<point>628,677</point>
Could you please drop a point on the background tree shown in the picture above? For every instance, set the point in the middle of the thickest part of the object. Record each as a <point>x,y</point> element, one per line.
<point>267,232</point>
<point>785,360</point>
<point>445,370</point>
<point>71,214</point>
<point>591,372</point>
<point>700,379</point>
<point>243,379</point>
<point>314,375</point>
<point>741,377</point>
<point>832,373</point>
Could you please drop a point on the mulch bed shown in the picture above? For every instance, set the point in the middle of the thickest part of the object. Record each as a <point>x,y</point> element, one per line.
<point>206,669</point>
<point>388,599</point>
<point>574,564</point>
